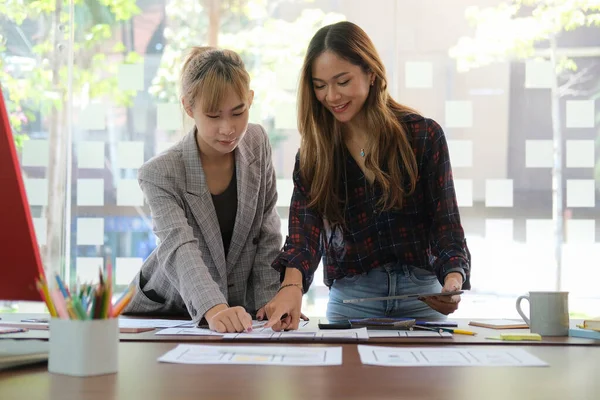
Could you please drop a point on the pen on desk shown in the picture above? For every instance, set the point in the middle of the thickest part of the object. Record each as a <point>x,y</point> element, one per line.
<point>458,331</point>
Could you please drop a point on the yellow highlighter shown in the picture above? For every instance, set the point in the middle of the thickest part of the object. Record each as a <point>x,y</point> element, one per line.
<point>521,336</point>
<point>458,331</point>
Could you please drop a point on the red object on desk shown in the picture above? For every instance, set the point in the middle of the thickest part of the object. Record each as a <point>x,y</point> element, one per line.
<point>20,261</point>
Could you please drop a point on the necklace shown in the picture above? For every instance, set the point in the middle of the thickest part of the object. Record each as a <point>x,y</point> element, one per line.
<point>362,150</point>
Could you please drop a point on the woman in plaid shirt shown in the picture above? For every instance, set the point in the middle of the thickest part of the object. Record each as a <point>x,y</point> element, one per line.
<point>373,193</point>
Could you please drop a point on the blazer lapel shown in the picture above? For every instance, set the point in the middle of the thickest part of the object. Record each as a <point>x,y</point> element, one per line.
<point>248,181</point>
<point>201,204</point>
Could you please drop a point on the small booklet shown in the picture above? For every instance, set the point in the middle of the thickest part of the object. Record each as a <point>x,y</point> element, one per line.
<point>500,324</point>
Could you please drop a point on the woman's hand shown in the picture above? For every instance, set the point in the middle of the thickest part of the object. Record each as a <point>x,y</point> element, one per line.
<point>225,319</point>
<point>283,310</point>
<point>446,304</point>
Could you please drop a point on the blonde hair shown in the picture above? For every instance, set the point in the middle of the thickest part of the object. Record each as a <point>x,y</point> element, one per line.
<point>208,73</point>
<point>389,155</point>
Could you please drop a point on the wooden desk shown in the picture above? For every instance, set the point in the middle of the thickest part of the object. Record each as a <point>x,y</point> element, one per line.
<point>479,339</point>
<point>573,374</point>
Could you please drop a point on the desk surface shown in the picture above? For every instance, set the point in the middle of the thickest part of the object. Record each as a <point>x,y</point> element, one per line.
<point>479,339</point>
<point>573,374</point>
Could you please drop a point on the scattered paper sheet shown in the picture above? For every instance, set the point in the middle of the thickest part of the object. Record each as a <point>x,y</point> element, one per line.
<point>254,355</point>
<point>153,323</point>
<point>415,334</point>
<point>188,332</point>
<point>436,356</point>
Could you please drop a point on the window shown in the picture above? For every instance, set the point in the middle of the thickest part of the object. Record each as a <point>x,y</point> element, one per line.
<point>93,95</point>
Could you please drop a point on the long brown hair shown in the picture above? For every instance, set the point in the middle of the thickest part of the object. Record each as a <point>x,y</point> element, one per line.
<point>389,155</point>
<point>212,71</point>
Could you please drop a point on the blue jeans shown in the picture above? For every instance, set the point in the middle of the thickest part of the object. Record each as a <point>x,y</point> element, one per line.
<point>387,280</point>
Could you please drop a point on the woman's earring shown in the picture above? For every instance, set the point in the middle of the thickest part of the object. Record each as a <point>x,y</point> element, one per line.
<point>372,82</point>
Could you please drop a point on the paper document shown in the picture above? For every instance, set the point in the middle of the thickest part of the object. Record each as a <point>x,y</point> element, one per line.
<point>254,355</point>
<point>153,323</point>
<point>436,356</point>
<point>374,333</point>
<point>303,333</point>
<point>188,332</point>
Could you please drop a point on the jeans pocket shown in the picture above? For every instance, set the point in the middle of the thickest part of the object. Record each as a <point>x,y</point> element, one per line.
<point>351,278</point>
<point>421,276</point>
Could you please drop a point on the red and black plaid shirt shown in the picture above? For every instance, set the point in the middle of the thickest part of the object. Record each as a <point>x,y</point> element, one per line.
<point>425,233</point>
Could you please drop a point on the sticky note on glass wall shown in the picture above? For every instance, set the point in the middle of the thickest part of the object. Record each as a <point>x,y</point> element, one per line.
<point>539,153</point>
<point>459,114</point>
<point>539,75</point>
<point>131,76</point>
<point>86,269</point>
<point>581,154</point>
<point>539,231</point>
<point>499,229</point>
<point>581,193</point>
<point>130,154</point>
<point>418,74</point>
<point>93,117</point>
<point>286,76</point>
<point>90,192</point>
<point>90,231</point>
<point>129,193</point>
<point>40,225</point>
<point>285,115</point>
<point>90,154</point>
<point>126,268</point>
<point>580,114</point>
<point>581,231</point>
<point>461,153</point>
<point>499,193</point>
<point>464,192</point>
<point>35,153</point>
<point>37,191</point>
<point>169,116</point>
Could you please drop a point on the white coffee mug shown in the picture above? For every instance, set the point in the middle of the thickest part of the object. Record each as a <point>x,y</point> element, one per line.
<point>548,313</point>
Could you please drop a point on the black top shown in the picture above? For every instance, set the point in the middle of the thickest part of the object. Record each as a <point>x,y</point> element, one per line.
<point>226,208</point>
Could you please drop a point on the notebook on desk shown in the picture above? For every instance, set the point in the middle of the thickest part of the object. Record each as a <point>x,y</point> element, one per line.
<point>17,353</point>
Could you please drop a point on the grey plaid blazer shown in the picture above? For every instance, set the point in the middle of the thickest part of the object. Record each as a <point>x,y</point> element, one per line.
<point>188,269</point>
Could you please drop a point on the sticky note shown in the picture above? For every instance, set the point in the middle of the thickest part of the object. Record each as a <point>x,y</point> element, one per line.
<point>581,193</point>
<point>90,154</point>
<point>90,231</point>
<point>162,146</point>
<point>285,189</point>
<point>93,117</point>
<point>35,153</point>
<point>286,77</point>
<point>499,193</point>
<point>130,154</point>
<point>87,269</point>
<point>40,225</point>
<point>539,153</point>
<point>539,231</point>
<point>580,231</point>
<point>90,192</point>
<point>459,114</point>
<point>521,336</point>
<point>581,154</point>
<point>580,114</point>
<point>37,191</point>
<point>464,192</point>
<point>129,193</point>
<point>539,75</point>
<point>285,115</point>
<point>131,76</point>
<point>461,153</point>
<point>500,230</point>
<point>126,268</point>
<point>169,116</point>
<point>418,74</point>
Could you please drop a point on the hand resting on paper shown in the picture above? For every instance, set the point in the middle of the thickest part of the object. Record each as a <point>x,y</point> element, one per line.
<point>224,319</point>
<point>446,304</point>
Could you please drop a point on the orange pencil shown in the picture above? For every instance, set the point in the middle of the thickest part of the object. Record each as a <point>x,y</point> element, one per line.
<point>120,306</point>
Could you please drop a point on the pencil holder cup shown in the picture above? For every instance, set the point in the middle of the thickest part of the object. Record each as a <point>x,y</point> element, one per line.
<point>84,348</point>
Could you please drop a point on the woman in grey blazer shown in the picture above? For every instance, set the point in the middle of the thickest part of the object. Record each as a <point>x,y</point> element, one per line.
<point>212,199</point>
